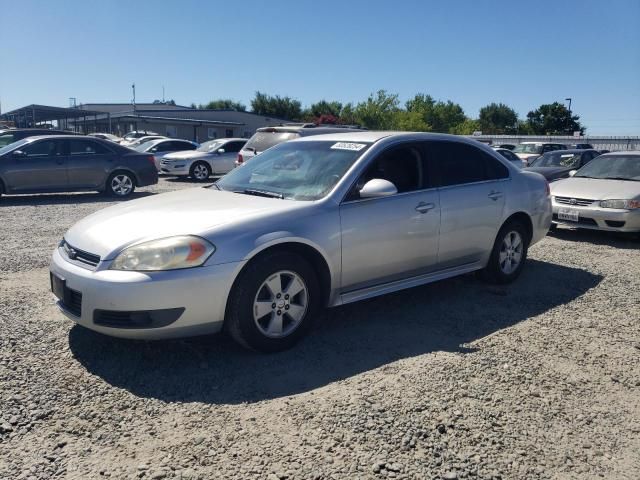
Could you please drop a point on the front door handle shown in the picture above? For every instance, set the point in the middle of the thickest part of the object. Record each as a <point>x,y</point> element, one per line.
<point>425,207</point>
<point>495,195</point>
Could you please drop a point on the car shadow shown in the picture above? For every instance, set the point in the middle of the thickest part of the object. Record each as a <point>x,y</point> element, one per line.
<point>445,316</point>
<point>183,179</point>
<point>65,198</point>
<point>626,241</point>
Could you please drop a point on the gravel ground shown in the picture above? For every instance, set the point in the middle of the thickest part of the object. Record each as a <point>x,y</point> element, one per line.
<point>540,379</point>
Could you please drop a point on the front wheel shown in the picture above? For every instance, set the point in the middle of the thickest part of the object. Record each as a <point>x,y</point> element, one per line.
<point>508,255</point>
<point>273,302</point>
<point>200,171</point>
<point>120,184</point>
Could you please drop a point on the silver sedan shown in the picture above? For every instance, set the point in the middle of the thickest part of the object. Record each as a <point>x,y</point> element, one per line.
<point>311,223</point>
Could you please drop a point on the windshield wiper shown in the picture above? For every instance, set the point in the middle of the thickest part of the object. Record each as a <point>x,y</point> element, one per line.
<point>215,185</point>
<point>622,178</point>
<point>263,193</point>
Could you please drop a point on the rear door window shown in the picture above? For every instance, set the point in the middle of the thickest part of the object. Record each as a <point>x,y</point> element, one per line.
<point>459,164</point>
<point>87,147</point>
<point>232,147</point>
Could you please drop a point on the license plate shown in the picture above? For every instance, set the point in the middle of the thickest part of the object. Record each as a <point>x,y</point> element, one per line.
<point>568,214</point>
<point>57,286</point>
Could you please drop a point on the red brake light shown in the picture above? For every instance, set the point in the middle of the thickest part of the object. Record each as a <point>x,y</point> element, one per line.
<point>240,159</point>
<point>152,160</point>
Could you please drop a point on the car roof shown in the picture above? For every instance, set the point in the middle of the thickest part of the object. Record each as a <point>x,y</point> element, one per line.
<point>623,152</point>
<point>234,139</point>
<point>374,136</point>
<point>53,137</point>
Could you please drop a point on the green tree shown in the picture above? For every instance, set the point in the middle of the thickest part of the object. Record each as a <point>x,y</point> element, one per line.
<point>409,122</point>
<point>276,106</point>
<point>497,119</point>
<point>442,116</point>
<point>224,104</point>
<point>348,114</point>
<point>325,108</point>
<point>466,128</point>
<point>378,111</point>
<point>553,119</point>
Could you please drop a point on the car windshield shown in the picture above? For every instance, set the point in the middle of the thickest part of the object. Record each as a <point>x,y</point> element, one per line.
<point>144,146</point>
<point>619,167</point>
<point>263,140</point>
<point>210,146</point>
<point>297,170</point>
<point>528,148</point>
<point>11,146</point>
<point>554,159</point>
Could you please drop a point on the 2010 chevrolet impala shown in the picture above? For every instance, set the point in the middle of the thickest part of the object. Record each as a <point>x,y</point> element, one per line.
<point>311,223</point>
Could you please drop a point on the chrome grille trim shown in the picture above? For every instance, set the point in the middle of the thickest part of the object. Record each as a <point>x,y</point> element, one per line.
<point>580,202</point>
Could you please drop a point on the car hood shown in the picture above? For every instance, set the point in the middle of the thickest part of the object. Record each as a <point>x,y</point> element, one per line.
<point>595,189</point>
<point>186,155</point>
<point>195,211</point>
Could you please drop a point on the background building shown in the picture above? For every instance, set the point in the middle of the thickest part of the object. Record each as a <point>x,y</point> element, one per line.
<point>174,121</point>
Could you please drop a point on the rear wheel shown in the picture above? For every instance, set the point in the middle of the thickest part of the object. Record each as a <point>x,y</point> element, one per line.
<point>273,302</point>
<point>120,184</point>
<point>200,171</point>
<point>508,255</point>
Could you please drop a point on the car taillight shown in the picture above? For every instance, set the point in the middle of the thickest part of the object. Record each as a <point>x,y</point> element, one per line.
<point>152,160</point>
<point>548,188</point>
<point>240,159</point>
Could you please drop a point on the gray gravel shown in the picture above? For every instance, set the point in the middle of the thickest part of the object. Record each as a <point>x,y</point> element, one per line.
<point>454,380</point>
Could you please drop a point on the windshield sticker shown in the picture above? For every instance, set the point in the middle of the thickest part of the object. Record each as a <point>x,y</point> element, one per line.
<point>355,147</point>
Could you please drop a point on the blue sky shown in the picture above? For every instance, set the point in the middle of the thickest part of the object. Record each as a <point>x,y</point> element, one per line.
<point>520,53</point>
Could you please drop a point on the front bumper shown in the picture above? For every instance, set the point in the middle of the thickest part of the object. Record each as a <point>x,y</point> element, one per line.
<point>175,168</point>
<point>202,292</point>
<point>596,218</point>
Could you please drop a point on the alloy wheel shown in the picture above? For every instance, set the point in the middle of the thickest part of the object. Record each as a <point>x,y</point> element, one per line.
<point>510,252</point>
<point>121,185</point>
<point>280,304</point>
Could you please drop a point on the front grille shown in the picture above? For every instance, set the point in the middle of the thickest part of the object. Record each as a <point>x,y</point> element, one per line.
<point>78,255</point>
<point>584,221</point>
<point>580,202</point>
<point>72,301</point>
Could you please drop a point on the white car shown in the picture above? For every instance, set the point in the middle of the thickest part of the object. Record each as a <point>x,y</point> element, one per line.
<point>139,141</point>
<point>215,157</point>
<point>603,195</point>
<point>268,137</point>
<point>161,147</point>
<point>529,151</point>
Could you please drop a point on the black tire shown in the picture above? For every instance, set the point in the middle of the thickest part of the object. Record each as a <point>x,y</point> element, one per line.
<point>200,171</point>
<point>250,284</point>
<point>495,271</point>
<point>1,189</point>
<point>124,178</point>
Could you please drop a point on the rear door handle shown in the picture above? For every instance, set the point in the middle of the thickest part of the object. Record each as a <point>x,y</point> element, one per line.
<point>425,207</point>
<point>495,195</point>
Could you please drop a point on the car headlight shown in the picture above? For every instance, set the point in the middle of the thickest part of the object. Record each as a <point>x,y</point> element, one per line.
<point>621,204</point>
<point>170,253</point>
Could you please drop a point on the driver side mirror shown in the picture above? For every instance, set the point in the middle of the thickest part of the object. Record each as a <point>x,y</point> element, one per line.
<point>377,187</point>
<point>19,154</point>
<point>572,173</point>
<point>221,151</point>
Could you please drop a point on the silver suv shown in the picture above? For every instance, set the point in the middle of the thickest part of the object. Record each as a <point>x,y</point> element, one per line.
<point>268,137</point>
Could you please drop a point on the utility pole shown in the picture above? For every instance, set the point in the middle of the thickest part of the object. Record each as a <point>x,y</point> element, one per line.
<point>133,87</point>
<point>568,99</point>
<point>162,93</point>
